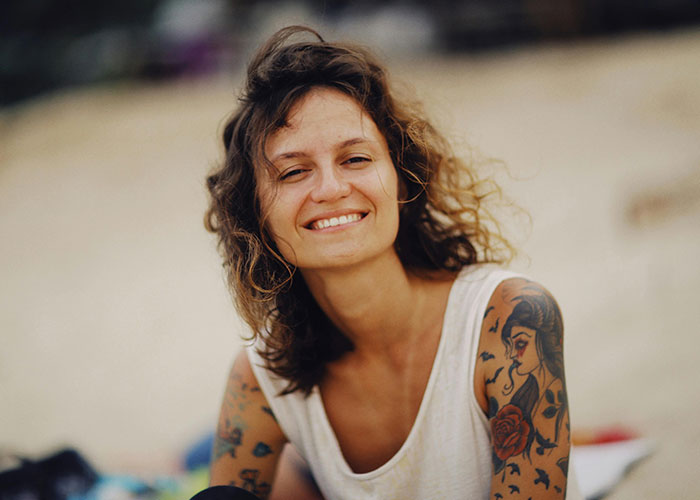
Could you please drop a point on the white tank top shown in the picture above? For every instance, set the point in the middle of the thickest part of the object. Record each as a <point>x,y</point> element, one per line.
<point>447,454</point>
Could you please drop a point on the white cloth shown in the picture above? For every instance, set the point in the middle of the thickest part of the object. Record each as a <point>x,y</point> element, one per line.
<point>601,466</point>
<point>447,454</point>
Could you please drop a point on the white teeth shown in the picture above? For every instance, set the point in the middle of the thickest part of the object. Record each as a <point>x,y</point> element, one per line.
<point>335,221</point>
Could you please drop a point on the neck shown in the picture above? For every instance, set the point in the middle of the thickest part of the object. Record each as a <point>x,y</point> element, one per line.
<point>380,306</point>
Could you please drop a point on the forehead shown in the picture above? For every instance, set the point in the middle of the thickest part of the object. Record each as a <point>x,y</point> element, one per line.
<point>519,329</point>
<point>322,116</point>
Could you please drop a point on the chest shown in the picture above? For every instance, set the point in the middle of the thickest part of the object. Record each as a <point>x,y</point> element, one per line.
<point>373,409</point>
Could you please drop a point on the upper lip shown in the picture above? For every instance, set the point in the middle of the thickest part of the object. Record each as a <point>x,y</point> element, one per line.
<point>333,213</point>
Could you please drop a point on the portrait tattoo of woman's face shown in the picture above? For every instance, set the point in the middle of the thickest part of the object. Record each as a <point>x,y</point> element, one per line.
<point>532,339</point>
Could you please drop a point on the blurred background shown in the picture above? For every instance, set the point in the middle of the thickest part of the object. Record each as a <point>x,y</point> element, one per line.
<point>117,328</point>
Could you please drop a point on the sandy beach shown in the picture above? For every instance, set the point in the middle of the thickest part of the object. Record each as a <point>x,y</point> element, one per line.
<point>117,328</point>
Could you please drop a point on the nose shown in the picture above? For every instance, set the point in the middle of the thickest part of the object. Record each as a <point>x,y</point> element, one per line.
<point>330,185</point>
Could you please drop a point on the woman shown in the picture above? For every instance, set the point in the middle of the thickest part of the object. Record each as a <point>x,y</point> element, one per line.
<point>355,246</point>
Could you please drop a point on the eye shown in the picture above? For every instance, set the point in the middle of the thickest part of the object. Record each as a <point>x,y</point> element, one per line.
<point>293,173</point>
<point>520,344</point>
<point>356,160</point>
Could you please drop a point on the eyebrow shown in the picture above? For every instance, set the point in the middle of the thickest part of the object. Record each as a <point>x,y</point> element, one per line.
<point>522,333</point>
<point>300,154</point>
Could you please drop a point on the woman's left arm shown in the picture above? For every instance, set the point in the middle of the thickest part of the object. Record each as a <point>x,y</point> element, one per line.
<point>520,386</point>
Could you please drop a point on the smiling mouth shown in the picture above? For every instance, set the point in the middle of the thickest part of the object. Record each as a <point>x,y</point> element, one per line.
<point>336,221</point>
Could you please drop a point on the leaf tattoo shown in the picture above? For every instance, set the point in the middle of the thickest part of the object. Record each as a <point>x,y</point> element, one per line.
<point>563,464</point>
<point>549,396</point>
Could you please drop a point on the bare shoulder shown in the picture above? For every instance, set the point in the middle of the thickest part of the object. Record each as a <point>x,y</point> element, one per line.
<point>520,385</point>
<point>248,439</point>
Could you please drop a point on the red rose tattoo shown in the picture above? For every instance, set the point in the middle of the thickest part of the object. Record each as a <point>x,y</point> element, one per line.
<point>510,432</point>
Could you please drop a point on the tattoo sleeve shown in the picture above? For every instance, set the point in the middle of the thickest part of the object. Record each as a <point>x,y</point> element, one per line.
<point>248,440</point>
<point>521,352</point>
<point>232,424</point>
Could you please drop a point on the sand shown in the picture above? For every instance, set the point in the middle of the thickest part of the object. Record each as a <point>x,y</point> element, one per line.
<point>117,330</point>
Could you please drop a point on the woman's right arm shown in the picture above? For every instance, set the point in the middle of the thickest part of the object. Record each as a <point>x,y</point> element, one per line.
<point>248,440</point>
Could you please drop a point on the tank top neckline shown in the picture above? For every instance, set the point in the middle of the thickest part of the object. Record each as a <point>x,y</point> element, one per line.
<point>316,404</point>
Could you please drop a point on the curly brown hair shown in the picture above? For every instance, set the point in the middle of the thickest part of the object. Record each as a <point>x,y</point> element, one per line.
<point>444,224</point>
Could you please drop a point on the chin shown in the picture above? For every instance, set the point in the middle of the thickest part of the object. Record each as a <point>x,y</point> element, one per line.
<point>341,259</point>
<point>335,262</point>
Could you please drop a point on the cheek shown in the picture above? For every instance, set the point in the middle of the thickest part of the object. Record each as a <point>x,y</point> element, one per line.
<point>391,193</point>
<point>394,184</point>
<point>278,211</point>
<point>383,178</point>
<point>520,351</point>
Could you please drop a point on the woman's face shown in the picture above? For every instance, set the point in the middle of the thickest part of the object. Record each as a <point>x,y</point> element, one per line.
<point>331,198</point>
<point>523,351</point>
